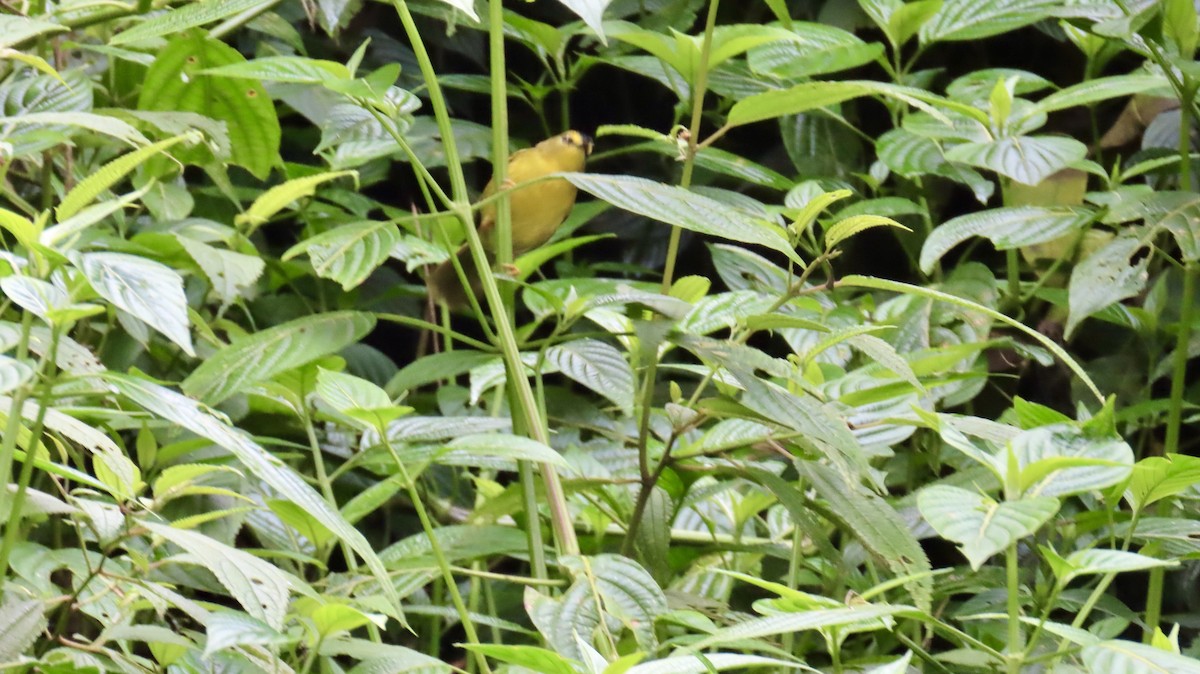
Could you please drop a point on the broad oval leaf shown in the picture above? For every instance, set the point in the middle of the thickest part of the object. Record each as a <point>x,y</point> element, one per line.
<point>1025,159</point>
<point>1128,657</point>
<point>174,83</point>
<point>178,20</point>
<point>349,253</point>
<point>1011,227</point>
<point>148,290</point>
<point>683,208</point>
<point>598,366</point>
<point>1062,459</point>
<point>980,525</point>
<point>1115,272</point>
<point>193,416</point>
<point>262,355</point>
<point>972,19</point>
<point>257,585</point>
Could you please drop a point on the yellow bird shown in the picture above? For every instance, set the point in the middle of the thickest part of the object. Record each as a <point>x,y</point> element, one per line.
<point>537,210</point>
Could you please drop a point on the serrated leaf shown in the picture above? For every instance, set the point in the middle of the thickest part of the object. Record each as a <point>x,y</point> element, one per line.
<point>264,354</point>
<point>178,20</point>
<point>815,95</point>
<point>1095,561</point>
<point>174,83</point>
<point>1128,657</point>
<point>23,622</point>
<point>598,366</point>
<point>95,184</point>
<point>1009,227</point>
<point>980,525</point>
<point>294,69</point>
<point>230,273</point>
<point>192,416</point>
<point>848,227</point>
<point>972,20</point>
<point>498,445</point>
<point>1115,272</point>
<point>683,208</point>
<point>1061,460</point>
<point>109,126</point>
<point>227,629</point>
<point>278,197</point>
<point>785,623</point>
<point>1157,477</point>
<point>258,586</point>
<point>349,253</point>
<point>1025,159</point>
<point>17,29</point>
<point>148,290</point>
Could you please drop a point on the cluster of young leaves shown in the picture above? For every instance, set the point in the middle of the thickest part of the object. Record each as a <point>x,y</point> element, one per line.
<point>207,465</point>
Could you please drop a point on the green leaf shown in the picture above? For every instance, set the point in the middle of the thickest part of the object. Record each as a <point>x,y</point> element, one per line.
<point>227,629</point>
<point>258,586</point>
<point>23,623</point>
<point>1062,460</point>
<point>230,274</point>
<point>755,628</point>
<point>592,13</point>
<point>193,416</point>
<point>1096,90</point>
<point>683,208</point>
<point>1157,477</point>
<point>532,658</point>
<point>13,373</point>
<point>18,29</point>
<point>349,253</point>
<point>1128,657</point>
<point>497,445</point>
<point>981,526</point>
<point>148,290</point>
<point>294,69</point>
<point>178,20</point>
<point>1094,561</point>
<point>855,280</point>
<point>1006,228</point>
<point>681,663</point>
<point>598,366</point>
<point>175,83</point>
<point>961,20</point>
<point>848,227</point>
<point>110,126</point>
<point>278,197</point>
<point>262,355</point>
<point>1115,272</point>
<point>95,184</point>
<point>433,367</point>
<point>1025,159</point>
<point>869,518</point>
<point>465,6</point>
<point>816,95</point>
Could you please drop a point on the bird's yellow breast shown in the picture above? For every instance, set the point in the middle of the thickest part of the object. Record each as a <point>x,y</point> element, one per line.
<point>537,209</point>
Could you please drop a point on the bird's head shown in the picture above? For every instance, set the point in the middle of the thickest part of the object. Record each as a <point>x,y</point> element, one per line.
<point>569,149</point>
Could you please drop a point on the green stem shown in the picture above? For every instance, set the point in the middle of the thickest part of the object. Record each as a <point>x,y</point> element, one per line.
<point>1015,648</point>
<point>16,504</point>
<point>535,425</point>
<point>439,555</point>
<point>689,162</point>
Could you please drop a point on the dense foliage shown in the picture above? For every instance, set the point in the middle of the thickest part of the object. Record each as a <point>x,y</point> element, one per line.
<point>866,347</point>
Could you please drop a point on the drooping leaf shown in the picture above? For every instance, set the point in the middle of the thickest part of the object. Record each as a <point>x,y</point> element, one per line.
<point>266,353</point>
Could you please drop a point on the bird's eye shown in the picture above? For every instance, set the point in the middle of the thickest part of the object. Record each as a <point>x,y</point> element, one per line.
<point>566,138</point>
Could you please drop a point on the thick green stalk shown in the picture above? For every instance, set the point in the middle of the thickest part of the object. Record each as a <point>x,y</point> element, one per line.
<point>504,253</point>
<point>536,426</point>
<point>689,161</point>
<point>1015,648</point>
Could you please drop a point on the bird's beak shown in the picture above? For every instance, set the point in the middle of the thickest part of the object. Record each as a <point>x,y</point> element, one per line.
<point>587,144</point>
